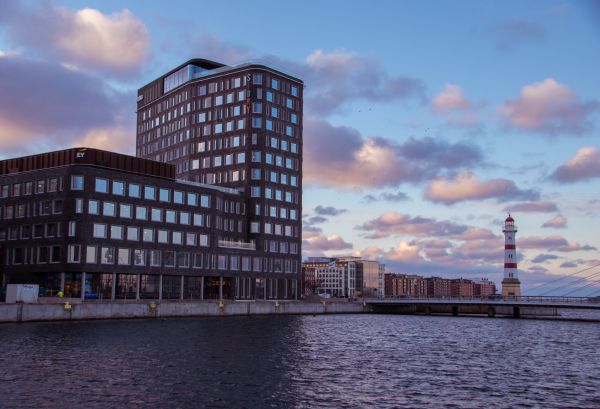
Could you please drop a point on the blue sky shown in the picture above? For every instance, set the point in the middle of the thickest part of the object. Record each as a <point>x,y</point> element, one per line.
<point>425,121</point>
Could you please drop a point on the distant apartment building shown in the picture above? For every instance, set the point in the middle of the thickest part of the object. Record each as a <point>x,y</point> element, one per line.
<point>483,288</point>
<point>438,287</point>
<point>461,288</point>
<point>399,285</point>
<point>357,277</point>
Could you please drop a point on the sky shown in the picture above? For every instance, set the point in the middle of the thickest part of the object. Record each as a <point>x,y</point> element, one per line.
<point>425,122</point>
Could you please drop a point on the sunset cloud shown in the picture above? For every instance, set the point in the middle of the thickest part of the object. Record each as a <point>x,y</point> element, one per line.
<point>467,186</point>
<point>83,110</point>
<point>552,243</point>
<point>114,43</point>
<point>558,222</point>
<point>549,107</point>
<point>320,243</point>
<point>454,106</point>
<point>532,207</point>
<point>584,165</point>
<point>338,156</point>
<point>329,211</point>
<point>392,197</point>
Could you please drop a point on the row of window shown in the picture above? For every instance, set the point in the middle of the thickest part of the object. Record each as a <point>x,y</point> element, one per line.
<point>135,190</point>
<point>274,229</point>
<point>31,209</point>
<point>124,256</point>
<point>28,188</point>
<point>31,231</point>
<point>274,194</point>
<point>149,235</point>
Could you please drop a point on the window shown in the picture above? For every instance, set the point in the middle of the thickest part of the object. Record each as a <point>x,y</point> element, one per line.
<point>93,207</point>
<point>40,186</point>
<point>183,259</point>
<point>101,185</point>
<point>289,130</point>
<point>155,258</point>
<point>134,190</point>
<point>255,174</point>
<point>125,211</point>
<point>74,253</point>
<point>294,118</point>
<point>198,219</point>
<point>255,191</point>
<point>91,254</point>
<point>269,125</point>
<point>156,215</point>
<point>72,228</point>
<point>77,182</point>
<point>274,112</point>
<point>171,216</point>
<point>177,238</point>
<point>192,199</point>
<point>184,218</point>
<point>274,83</point>
<point>148,235</point>
<point>204,201</point>
<point>190,239</point>
<point>139,257</point>
<point>178,197</point>
<point>133,233</point>
<point>116,232</point>
<point>52,185</point>
<point>108,209</point>
<point>141,213</point>
<point>256,122</point>
<point>78,205</point>
<point>294,91</point>
<point>163,236</point>
<point>118,188</point>
<point>149,192</point>
<point>269,96</point>
<point>289,103</point>
<point>255,227</point>
<point>99,231</point>
<point>164,195</point>
<point>107,255</point>
<point>203,240</point>
<point>123,257</point>
<point>169,259</point>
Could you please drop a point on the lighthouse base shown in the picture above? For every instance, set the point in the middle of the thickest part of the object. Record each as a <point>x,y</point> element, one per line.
<point>511,288</point>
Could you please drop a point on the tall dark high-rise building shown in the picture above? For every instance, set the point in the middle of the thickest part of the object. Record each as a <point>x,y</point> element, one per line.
<point>238,127</point>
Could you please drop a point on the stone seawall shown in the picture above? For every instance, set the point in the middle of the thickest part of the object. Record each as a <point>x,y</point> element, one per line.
<point>117,310</point>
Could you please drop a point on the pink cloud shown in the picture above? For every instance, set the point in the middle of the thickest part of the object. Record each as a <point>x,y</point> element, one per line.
<point>315,242</point>
<point>84,109</point>
<point>114,43</point>
<point>338,156</point>
<point>558,222</point>
<point>552,243</point>
<point>403,251</point>
<point>467,186</point>
<point>583,166</point>
<point>532,207</point>
<point>549,107</point>
<point>454,106</point>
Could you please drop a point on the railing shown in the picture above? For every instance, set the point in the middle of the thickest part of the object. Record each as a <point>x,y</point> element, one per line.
<point>236,245</point>
<point>498,297</point>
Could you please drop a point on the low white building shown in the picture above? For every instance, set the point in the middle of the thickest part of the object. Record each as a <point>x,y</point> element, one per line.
<point>336,280</point>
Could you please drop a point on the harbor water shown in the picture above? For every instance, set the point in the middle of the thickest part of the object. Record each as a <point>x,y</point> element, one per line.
<point>329,361</point>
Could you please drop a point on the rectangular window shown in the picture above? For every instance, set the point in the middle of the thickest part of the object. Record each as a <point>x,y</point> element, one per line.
<point>192,199</point>
<point>190,239</point>
<point>203,240</point>
<point>108,209</point>
<point>163,236</point>
<point>91,255</point>
<point>141,213</point>
<point>77,182</point>
<point>156,215</point>
<point>134,190</point>
<point>149,192</point>
<point>139,257</point>
<point>133,233</point>
<point>164,195</point>
<point>183,259</point>
<point>125,211</point>
<point>99,231</point>
<point>123,257</point>
<point>171,216</point>
<point>116,232</point>
<point>204,201</point>
<point>178,197</point>
<point>74,253</point>
<point>294,90</point>
<point>155,258</point>
<point>72,227</point>
<point>93,207</point>
<point>184,218</point>
<point>101,185</point>
<point>107,255</point>
<point>118,188</point>
<point>198,220</point>
<point>148,235</point>
<point>177,238</point>
<point>169,259</point>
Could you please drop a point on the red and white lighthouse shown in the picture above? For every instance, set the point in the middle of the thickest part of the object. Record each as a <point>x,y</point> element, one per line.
<point>511,286</point>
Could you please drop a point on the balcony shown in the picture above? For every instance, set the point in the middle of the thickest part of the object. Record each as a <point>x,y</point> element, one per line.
<point>236,245</point>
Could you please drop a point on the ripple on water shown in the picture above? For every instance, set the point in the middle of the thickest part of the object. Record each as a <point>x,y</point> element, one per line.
<point>346,361</point>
